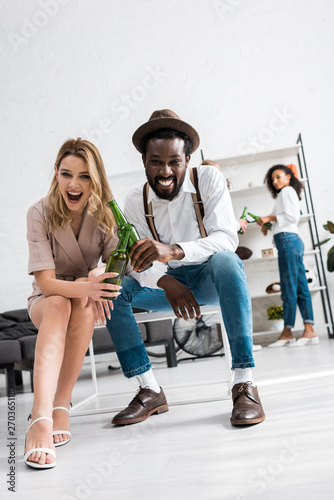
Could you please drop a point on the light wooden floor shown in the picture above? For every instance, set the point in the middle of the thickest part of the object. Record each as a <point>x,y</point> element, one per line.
<point>192,452</point>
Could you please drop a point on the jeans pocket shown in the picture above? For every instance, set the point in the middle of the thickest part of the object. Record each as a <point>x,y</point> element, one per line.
<point>295,245</point>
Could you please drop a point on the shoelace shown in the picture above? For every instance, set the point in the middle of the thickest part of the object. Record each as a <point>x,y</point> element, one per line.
<point>244,388</point>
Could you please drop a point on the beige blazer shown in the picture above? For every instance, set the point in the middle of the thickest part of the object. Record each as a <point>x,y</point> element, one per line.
<point>60,250</point>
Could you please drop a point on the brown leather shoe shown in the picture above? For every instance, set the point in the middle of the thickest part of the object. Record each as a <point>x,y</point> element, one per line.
<point>141,407</point>
<point>247,407</point>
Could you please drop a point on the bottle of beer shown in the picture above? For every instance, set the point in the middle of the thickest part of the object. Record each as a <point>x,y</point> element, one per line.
<point>244,214</point>
<point>118,260</point>
<point>267,225</point>
<point>121,221</point>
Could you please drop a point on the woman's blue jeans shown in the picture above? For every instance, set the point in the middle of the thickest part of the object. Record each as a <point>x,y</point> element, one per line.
<point>294,287</point>
<point>220,280</point>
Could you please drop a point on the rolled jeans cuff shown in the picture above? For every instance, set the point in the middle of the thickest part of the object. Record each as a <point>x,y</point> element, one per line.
<point>249,364</point>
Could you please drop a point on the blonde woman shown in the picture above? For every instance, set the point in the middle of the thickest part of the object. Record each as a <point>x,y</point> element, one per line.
<point>68,232</point>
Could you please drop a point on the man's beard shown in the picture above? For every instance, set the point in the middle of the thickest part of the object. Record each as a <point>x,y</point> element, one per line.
<point>165,196</point>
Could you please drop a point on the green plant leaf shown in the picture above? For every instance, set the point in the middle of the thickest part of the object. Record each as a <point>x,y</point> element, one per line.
<point>322,242</point>
<point>330,226</point>
<point>330,260</point>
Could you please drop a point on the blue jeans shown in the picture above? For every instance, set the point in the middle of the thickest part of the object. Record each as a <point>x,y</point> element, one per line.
<point>220,280</point>
<point>294,287</point>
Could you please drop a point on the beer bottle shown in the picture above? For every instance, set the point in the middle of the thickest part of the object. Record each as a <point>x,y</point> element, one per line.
<point>244,214</point>
<point>121,221</point>
<point>267,225</point>
<point>118,260</point>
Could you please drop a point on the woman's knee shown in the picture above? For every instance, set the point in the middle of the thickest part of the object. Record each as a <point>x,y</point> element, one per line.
<point>58,305</point>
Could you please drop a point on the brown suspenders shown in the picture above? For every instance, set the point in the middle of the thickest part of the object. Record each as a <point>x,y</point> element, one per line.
<point>198,205</point>
<point>149,213</point>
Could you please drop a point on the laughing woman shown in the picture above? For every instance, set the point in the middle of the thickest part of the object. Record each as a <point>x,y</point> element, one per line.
<point>68,232</point>
<point>286,189</point>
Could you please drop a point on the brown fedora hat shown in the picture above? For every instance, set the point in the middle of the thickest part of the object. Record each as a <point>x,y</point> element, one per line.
<point>164,118</point>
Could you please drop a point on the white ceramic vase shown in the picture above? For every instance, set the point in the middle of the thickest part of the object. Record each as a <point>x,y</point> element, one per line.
<point>278,325</point>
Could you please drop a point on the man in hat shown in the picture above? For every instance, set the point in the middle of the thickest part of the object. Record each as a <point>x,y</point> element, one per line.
<point>202,268</point>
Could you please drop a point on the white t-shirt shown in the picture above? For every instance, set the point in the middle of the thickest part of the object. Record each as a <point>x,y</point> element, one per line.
<point>287,211</point>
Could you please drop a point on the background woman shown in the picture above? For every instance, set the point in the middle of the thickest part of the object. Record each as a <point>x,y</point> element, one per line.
<point>286,189</point>
<point>68,232</point>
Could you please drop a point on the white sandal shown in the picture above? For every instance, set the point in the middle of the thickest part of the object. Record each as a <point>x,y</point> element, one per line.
<point>35,465</point>
<point>282,343</point>
<point>302,341</point>
<point>55,433</point>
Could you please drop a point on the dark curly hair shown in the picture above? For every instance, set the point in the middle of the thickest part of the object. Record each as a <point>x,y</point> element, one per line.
<point>294,182</point>
<point>167,133</point>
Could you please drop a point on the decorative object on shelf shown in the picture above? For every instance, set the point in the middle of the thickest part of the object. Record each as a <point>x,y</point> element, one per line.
<point>330,254</point>
<point>268,252</point>
<point>274,287</point>
<point>294,169</point>
<point>311,278</point>
<point>275,314</point>
<point>244,253</point>
<point>229,184</point>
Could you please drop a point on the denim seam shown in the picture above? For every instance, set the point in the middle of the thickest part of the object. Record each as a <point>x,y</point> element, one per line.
<point>243,365</point>
<point>138,371</point>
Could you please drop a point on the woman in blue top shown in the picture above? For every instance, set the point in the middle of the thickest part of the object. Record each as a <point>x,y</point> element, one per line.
<point>286,189</point>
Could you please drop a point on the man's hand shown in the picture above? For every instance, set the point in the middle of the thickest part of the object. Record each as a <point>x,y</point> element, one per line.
<point>180,298</point>
<point>243,224</point>
<point>146,251</point>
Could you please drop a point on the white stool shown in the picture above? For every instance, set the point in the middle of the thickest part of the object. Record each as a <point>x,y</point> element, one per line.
<point>145,317</point>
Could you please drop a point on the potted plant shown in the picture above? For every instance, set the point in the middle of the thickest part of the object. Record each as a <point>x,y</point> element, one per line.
<point>330,254</point>
<point>275,314</point>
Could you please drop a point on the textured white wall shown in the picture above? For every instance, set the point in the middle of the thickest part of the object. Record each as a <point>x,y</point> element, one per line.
<point>97,69</point>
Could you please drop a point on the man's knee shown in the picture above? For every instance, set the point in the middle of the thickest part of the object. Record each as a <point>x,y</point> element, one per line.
<point>226,259</point>
<point>129,286</point>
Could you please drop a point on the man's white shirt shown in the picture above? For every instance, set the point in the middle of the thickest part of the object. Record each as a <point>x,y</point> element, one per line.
<point>176,221</point>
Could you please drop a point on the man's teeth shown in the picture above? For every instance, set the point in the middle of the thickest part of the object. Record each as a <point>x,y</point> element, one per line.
<point>165,183</point>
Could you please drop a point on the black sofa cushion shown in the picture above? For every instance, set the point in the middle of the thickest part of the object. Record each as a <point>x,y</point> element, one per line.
<point>5,322</point>
<point>10,351</point>
<point>18,330</point>
<point>158,331</point>
<point>28,346</point>
<point>18,315</point>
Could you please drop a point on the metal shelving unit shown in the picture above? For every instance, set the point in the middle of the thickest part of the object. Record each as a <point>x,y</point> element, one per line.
<point>252,192</point>
<point>315,240</point>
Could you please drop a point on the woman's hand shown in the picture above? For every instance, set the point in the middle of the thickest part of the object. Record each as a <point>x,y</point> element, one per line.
<point>99,294</point>
<point>263,220</point>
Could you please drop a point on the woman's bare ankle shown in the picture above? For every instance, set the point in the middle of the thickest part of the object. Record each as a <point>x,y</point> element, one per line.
<point>286,334</point>
<point>308,331</point>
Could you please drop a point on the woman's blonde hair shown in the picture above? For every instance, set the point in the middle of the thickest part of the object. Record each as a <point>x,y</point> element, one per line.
<point>97,205</point>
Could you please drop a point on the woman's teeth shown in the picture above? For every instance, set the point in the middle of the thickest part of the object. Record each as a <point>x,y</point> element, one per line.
<point>74,196</point>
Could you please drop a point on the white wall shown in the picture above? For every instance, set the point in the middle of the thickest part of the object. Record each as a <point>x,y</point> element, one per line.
<point>97,69</point>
